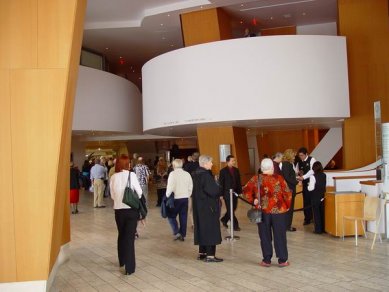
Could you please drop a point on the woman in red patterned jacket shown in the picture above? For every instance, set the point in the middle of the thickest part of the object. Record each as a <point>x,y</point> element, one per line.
<point>275,199</point>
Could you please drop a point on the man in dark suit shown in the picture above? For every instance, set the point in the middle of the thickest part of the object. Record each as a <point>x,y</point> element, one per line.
<point>229,178</point>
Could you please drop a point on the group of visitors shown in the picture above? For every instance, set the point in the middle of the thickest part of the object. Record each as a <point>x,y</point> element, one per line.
<point>197,195</point>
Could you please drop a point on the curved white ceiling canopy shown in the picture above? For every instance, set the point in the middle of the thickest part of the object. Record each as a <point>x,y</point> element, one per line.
<point>254,82</point>
<point>104,14</point>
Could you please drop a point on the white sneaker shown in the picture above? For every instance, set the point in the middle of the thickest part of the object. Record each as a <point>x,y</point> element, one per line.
<point>177,236</point>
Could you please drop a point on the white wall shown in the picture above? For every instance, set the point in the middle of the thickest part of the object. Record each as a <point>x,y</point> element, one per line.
<point>106,102</point>
<point>263,78</point>
<point>329,28</point>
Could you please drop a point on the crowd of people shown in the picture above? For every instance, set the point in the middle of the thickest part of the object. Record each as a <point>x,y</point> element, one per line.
<point>198,195</point>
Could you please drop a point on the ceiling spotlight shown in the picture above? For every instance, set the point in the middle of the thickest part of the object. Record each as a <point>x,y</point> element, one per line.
<point>168,15</point>
<point>161,24</point>
<point>271,17</point>
<point>303,13</point>
<point>140,78</point>
<point>120,57</point>
<point>201,7</point>
<point>106,48</point>
<point>133,71</point>
<point>241,5</point>
<point>241,22</point>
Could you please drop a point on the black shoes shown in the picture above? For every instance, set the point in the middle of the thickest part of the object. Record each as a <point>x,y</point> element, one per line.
<point>307,222</point>
<point>291,229</point>
<point>224,223</point>
<point>212,260</point>
<point>237,229</point>
<point>201,257</point>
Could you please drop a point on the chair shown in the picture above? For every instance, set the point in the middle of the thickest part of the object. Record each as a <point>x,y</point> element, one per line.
<point>370,207</point>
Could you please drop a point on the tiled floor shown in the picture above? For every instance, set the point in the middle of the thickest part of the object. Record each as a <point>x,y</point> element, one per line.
<point>318,262</point>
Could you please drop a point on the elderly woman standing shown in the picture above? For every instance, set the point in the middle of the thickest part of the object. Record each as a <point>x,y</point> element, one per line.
<point>206,199</point>
<point>180,183</point>
<point>126,218</point>
<point>275,199</point>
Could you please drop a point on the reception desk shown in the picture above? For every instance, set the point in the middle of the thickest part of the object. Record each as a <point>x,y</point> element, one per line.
<point>339,204</point>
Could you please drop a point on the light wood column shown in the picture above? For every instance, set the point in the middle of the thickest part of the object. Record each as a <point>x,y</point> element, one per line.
<point>205,26</point>
<point>209,139</point>
<point>40,42</point>
<point>365,24</point>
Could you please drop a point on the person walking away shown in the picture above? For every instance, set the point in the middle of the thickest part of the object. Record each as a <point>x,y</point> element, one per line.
<point>126,217</point>
<point>180,184</point>
<point>98,174</point>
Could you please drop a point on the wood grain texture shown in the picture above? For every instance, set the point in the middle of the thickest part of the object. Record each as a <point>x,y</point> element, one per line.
<point>36,121</point>
<point>7,224</point>
<point>338,205</point>
<point>365,24</point>
<point>205,26</point>
<point>18,31</point>
<point>60,233</point>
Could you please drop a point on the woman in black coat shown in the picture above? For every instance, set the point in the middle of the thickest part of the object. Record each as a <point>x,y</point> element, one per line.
<point>317,187</point>
<point>206,212</point>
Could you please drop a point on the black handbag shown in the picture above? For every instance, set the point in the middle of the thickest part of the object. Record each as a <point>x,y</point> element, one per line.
<point>255,215</point>
<point>130,197</point>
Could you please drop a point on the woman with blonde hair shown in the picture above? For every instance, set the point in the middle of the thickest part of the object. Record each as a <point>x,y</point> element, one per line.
<point>289,174</point>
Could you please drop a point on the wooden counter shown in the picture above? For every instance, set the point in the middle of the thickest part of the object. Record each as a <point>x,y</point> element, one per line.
<point>339,204</point>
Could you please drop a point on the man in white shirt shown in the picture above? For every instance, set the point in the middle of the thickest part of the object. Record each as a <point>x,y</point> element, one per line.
<point>98,174</point>
<point>304,172</point>
<point>180,183</point>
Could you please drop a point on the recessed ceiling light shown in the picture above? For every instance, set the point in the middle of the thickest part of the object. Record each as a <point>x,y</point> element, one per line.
<point>161,24</point>
<point>133,71</point>
<point>241,22</point>
<point>163,38</point>
<point>120,57</point>
<point>271,17</point>
<point>168,15</point>
<point>140,78</point>
<point>201,7</point>
<point>172,45</point>
<point>106,48</point>
<point>303,13</point>
<point>241,5</point>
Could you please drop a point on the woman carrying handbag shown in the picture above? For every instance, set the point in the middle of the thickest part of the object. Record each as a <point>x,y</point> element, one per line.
<point>126,217</point>
<point>274,200</point>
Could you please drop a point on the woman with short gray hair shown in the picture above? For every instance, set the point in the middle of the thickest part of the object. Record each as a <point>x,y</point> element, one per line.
<point>206,211</point>
<point>180,183</point>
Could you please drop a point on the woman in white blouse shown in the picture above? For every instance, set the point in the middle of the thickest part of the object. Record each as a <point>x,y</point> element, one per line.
<point>126,218</point>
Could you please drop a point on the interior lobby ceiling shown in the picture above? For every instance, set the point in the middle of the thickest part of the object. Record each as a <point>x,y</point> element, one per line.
<point>136,31</point>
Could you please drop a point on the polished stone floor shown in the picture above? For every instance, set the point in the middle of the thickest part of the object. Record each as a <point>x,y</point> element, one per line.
<point>318,262</point>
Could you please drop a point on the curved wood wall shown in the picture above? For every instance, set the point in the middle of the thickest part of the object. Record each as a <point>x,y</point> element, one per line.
<point>40,42</point>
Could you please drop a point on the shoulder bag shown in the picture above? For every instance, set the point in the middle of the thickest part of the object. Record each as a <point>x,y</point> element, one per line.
<point>130,198</point>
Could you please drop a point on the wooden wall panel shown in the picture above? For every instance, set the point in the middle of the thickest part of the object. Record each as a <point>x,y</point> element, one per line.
<point>36,103</point>
<point>200,27</point>
<point>278,141</point>
<point>209,139</point>
<point>7,224</point>
<point>55,28</point>
<point>242,152</point>
<point>36,117</point>
<point>61,220</point>
<point>286,30</point>
<point>18,30</point>
<point>365,24</point>
<point>224,22</point>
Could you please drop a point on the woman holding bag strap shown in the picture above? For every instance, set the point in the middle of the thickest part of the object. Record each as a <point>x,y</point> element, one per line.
<point>274,200</point>
<point>126,218</point>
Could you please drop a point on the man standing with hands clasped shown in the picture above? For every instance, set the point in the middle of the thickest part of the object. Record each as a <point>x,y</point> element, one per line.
<point>304,172</point>
<point>229,178</point>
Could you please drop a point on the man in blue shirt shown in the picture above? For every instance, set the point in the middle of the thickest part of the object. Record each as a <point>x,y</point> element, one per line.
<point>98,174</point>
